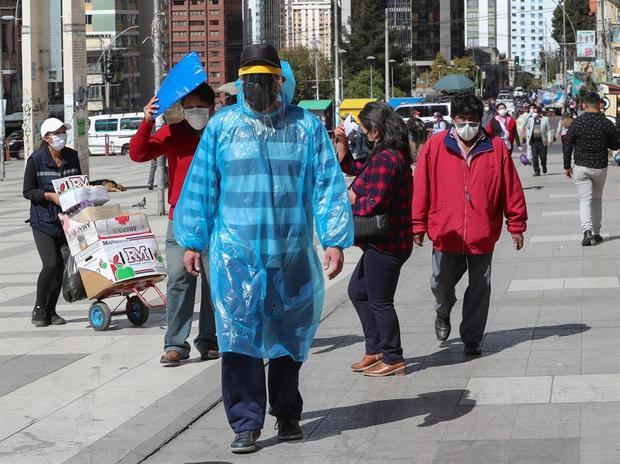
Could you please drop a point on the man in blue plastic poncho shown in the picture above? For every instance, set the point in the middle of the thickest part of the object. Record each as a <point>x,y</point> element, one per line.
<point>263,170</point>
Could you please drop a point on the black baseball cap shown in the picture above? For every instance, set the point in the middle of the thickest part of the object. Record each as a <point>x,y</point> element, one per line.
<point>260,59</point>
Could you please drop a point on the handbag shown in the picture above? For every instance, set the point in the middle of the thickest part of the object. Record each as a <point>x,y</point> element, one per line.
<point>369,227</point>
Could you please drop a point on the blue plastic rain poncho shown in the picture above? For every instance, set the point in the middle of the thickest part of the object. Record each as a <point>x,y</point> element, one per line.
<point>249,199</point>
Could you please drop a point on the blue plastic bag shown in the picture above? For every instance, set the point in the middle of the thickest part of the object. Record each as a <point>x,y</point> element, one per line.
<point>184,77</point>
<point>288,88</point>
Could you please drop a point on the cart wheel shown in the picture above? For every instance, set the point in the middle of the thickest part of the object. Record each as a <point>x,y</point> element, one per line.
<point>99,316</point>
<point>137,312</point>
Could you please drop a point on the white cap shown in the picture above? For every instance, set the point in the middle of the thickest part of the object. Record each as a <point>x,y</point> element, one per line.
<point>52,125</point>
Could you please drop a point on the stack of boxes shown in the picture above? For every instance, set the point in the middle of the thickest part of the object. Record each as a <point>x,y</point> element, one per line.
<point>110,247</point>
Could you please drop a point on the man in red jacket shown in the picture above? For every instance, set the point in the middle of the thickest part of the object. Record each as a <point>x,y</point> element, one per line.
<point>465,182</point>
<point>178,143</point>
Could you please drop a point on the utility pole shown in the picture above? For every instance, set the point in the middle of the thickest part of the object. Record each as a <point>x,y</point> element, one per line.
<point>158,72</point>
<point>2,132</point>
<point>564,45</point>
<point>316,71</point>
<point>337,74</point>
<point>387,58</point>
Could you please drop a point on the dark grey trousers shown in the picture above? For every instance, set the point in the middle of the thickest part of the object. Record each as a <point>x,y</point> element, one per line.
<point>448,269</point>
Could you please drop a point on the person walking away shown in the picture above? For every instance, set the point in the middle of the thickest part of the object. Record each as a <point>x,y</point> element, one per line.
<point>264,169</point>
<point>465,183</point>
<point>53,160</point>
<point>489,113</point>
<point>178,142</point>
<point>440,123</point>
<point>504,126</point>
<point>417,133</point>
<point>587,140</point>
<point>383,185</point>
<point>537,130</point>
<point>563,124</point>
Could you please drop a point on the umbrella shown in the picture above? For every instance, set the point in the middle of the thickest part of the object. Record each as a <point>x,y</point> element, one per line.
<point>454,83</point>
<point>229,88</point>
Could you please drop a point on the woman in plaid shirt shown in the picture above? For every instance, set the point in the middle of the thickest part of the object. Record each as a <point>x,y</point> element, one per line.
<point>383,184</point>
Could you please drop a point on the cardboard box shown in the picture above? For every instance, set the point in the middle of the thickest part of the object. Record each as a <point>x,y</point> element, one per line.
<point>74,191</point>
<point>93,213</point>
<point>81,235</point>
<point>110,263</point>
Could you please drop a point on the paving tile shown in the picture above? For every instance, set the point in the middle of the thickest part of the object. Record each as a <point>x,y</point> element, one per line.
<point>554,362</point>
<point>508,390</point>
<point>545,451</point>
<point>600,362</point>
<point>547,421</point>
<point>586,388</point>
<point>472,452</point>
<point>600,420</point>
<point>482,422</point>
<point>536,284</point>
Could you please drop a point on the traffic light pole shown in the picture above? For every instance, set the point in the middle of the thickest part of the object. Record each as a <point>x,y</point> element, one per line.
<point>108,78</point>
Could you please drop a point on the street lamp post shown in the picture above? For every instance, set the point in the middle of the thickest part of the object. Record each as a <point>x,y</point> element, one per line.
<point>2,132</point>
<point>371,60</point>
<point>341,51</point>
<point>392,61</point>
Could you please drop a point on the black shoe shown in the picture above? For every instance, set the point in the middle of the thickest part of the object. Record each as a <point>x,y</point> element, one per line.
<point>442,328</point>
<point>55,319</point>
<point>473,349</point>
<point>245,442</point>
<point>39,317</point>
<point>544,170</point>
<point>597,238</point>
<point>150,186</point>
<point>537,174</point>
<point>289,430</point>
<point>588,238</point>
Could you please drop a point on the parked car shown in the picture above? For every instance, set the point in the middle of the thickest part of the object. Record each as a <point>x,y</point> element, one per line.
<point>114,129</point>
<point>14,142</point>
<point>518,92</point>
<point>426,111</point>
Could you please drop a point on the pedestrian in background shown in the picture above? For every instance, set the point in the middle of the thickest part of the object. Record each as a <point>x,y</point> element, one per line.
<point>587,140</point>
<point>383,186</point>
<point>563,124</point>
<point>417,133</point>
<point>465,184</point>
<point>53,160</point>
<point>440,124</point>
<point>504,126</point>
<point>264,172</point>
<point>537,130</point>
<point>489,113</point>
<point>178,142</point>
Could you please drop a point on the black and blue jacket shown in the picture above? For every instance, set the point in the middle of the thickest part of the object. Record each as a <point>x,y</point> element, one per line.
<point>41,169</point>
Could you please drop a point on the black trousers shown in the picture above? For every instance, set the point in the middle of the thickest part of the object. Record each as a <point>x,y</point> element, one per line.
<point>49,283</point>
<point>539,156</point>
<point>371,290</point>
<point>245,395</point>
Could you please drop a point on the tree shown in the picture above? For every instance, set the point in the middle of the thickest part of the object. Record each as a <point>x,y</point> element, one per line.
<point>359,85</point>
<point>302,61</point>
<point>578,16</point>
<point>439,68</point>
<point>464,65</point>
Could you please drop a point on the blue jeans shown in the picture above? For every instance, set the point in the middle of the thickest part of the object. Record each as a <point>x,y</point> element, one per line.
<point>181,294</point>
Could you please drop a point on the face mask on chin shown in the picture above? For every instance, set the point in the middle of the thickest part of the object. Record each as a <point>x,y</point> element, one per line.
<point>197,118</point>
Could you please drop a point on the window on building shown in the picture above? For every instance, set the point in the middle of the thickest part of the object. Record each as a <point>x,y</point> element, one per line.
<point>198,2</point>
<point>216,74</point>
<point>200,32</point>
<point>213,33</point>
<point>178,2</point>
<point>179,23</point>
<point>214,2</point>
<point>89,19</point>
<point>213,22</point>
<point>213,52</point>
<point>196,23</point>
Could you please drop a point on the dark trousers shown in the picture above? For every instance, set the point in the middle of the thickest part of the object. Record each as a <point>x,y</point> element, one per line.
<point>448,269</point>
<point>371,290</point>
<point>245,394</point>
<point>539,156</point>
<point>49,283</point>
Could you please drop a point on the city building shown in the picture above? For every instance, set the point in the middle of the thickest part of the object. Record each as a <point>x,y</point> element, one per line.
<point>11,59</point>
<point>213,29</point>
<point>262,22</point>
<point>399,24</point>
<point>309,24</point>
<point>113,51</point>
<point>438,26</point>
<point>481,23</point>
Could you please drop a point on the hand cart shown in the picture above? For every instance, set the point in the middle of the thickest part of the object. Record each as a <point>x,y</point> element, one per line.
<point>137,308</point>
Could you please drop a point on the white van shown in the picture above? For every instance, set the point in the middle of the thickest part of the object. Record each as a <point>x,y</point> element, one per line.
<point>114,129</point>
<point>427,110</point>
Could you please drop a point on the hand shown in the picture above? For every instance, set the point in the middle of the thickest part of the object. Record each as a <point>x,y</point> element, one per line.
<point>150,109</point>
<point>53,197</point>
<point>517,240</point>
<point>191,261</point>
<point>568,173</point>
<point>333,261</point>
<point>418,239</point>
<point>352,196</point>
<point>520,148</point>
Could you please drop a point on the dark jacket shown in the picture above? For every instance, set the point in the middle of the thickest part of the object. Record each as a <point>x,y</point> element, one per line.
<point>40,171</point>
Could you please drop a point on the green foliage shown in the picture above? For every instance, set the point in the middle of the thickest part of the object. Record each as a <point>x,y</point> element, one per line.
<point>466,66</point>
<point>359,85</point>
<point>302,61</point>
<point>579,13</point>
<point>526,80</point>
<point>439,68</point>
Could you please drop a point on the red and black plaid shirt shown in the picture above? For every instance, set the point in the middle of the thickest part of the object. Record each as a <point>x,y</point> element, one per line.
<point>384,186</point>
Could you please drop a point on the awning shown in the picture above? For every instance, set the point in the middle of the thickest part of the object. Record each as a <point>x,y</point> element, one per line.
<point>315,105</point>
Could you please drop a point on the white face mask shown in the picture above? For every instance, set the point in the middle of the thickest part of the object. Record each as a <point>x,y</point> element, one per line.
<point>197,117</point>
<point>467,133</point>
<point>58,141</point>
<point>502,111</point>
<point>487,108</point>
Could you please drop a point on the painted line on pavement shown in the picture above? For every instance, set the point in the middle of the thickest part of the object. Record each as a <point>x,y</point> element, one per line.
<point>561,238</point>
<point>563,283</point>
<point>560,213</point>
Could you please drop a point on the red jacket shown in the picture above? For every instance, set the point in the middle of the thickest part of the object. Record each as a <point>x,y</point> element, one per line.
<point>461,207</point>
<point>177,141</point>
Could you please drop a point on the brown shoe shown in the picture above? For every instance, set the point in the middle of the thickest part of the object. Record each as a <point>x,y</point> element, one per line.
<point>382,369</point>
<point>172,357</point>
<point>209,354</point>
<point>369,360</point>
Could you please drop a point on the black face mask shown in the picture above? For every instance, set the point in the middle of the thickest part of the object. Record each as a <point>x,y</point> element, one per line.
<point>260,91</point>
<point>369,144</point>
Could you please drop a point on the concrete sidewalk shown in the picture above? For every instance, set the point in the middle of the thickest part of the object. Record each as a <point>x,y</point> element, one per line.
<point>68,393</point>
<point>546,390</point>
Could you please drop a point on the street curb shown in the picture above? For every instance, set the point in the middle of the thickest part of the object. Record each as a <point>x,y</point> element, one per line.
<point>144,434</point>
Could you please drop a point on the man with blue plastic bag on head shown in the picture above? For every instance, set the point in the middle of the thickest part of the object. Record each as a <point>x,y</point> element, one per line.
<point>264,169</point>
